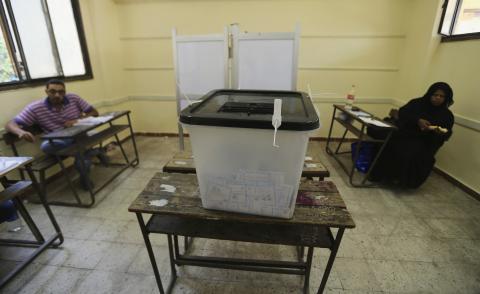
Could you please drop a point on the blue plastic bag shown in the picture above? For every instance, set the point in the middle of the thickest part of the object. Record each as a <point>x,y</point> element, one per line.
<point>8,212</point>
<point>368,151</point>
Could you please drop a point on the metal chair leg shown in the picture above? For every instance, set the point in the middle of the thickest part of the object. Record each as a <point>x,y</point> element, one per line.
<point>28,219</point>
<point>151,255</point>
<point>331,259</point>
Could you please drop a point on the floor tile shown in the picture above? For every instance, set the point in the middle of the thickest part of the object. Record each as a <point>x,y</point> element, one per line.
<point>63,280</point>
<point>118,257</point>
<point>392,276</point>
<point>356,274</point>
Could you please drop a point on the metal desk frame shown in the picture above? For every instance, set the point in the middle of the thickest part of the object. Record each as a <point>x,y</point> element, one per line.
<point>300,267</point>
<point>361,134</point>
<point>83,143</point>
<point>13,191</point>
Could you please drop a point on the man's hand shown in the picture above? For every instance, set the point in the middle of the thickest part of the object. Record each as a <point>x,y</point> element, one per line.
<point>27,136</point>
<point>423,124</point>
<point>70,123</point>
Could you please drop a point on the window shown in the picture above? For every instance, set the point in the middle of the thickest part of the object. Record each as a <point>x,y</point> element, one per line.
<point>41,39</point>
<point>460,20</point>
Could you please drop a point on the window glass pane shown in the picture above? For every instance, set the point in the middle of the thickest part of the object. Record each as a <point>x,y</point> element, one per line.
<point>7,72</point>
<point>66,35</point>
<point>36,43</point>
<point>468,17</point>
<point>447,20</point>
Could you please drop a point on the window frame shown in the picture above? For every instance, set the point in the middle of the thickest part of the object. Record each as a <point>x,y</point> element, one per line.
<point>457,37</point>
<point>29,82</point>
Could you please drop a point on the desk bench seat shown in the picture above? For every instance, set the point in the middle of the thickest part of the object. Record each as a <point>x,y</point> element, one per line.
<point>183,162</point>
<point>89,141</point>
<point>284,234</point>
<point>14,190</point>
<point>356,124</point>
<point>358,133</point>
<point>102,130</point>
<point>41,162</point>
<point>182,214</point>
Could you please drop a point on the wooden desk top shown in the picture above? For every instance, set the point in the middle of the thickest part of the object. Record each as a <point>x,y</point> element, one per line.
<point>79,130</point>
<point>8,164</point>
<point>182,162</point>
<point>351,114</point>
<point>185,202</point>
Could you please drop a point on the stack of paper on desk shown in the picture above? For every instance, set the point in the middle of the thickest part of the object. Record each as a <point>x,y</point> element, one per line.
<point>93,120</point>
<point>7,164</point>
<point>376,122</point>
<point>360,113</point>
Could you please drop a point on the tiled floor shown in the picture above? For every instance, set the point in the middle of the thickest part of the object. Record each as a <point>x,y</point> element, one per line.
<point>423,241</point>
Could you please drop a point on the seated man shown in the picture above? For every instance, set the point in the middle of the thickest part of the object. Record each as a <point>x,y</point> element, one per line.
<point>57,111</point>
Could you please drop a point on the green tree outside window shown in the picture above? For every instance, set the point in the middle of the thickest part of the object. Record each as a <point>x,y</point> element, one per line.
<point>7,73</point>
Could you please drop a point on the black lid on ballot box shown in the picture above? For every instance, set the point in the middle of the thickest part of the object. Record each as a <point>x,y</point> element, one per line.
<point>252,109</point>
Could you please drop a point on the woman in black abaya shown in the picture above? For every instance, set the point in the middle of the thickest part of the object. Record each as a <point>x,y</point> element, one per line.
<point>424,124</point>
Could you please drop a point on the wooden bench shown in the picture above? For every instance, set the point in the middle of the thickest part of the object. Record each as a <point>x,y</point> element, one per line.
<point>41,162</point>
<point>182,162</point>
<point>84,137</point>
<point>182,214</point>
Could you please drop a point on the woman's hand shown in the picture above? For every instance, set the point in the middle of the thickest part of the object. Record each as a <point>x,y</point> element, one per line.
<point>423,124</point>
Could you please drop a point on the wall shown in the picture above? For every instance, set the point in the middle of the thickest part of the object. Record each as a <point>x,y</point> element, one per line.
<point>458,63</point>
<point>342,43</point>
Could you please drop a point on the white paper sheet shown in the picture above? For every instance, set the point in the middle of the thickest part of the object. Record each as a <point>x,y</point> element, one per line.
<point>376,122</point>
<point>7,164</point>
<point>91,120</point>
<point>360,113</point>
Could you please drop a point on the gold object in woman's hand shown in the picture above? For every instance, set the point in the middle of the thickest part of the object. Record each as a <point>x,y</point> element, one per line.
<point>438,128</point>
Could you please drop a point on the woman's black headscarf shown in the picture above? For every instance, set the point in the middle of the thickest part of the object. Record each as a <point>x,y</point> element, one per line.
<point>445,88</point>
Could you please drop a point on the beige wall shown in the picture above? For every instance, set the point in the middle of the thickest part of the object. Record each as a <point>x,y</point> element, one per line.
<point>458,63</point>
<point>342,42</point>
